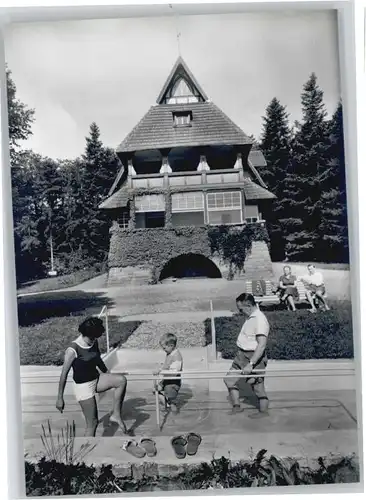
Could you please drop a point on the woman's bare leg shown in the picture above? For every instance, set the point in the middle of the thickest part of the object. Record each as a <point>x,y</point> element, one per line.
<point>90,411</point>
<point>291,302</point>
<point>119,384</point>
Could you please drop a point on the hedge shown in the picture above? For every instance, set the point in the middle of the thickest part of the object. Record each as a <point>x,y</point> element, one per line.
<point>45,343</point>
<point>299,335</point>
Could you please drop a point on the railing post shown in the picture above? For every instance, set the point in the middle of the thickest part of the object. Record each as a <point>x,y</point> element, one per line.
<point>213,332</point>
<point>107,328</point>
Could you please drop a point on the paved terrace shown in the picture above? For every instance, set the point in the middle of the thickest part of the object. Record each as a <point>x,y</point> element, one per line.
<point>308,422</point>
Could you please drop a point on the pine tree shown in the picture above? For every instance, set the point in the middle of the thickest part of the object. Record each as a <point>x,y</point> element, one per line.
<point>276,147</point>
<point>310,157</point>
<point>333,244</point>
<point>94,175</point>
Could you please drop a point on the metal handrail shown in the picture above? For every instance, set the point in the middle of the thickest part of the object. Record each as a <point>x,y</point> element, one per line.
<point>105,311</point>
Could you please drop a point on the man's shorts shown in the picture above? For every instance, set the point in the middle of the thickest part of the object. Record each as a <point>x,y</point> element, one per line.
<point>316,288</point>
<point>240,361</point>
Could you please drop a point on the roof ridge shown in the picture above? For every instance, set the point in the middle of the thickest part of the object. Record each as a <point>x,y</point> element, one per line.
<point>178,62</point>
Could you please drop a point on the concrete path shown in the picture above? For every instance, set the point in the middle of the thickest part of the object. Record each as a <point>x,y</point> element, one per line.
<point>300,424</point>
<point>305,447</point>
<point>201,411</point>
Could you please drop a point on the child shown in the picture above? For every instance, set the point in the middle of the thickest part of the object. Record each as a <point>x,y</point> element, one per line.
<point>173,363</point>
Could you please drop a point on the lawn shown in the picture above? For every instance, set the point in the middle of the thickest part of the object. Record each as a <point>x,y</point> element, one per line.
<point>49,322</point>
<point>59,282</point>
<point>300,335</point>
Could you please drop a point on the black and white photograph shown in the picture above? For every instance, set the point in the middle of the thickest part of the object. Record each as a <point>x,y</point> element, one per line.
<point>181,240</point>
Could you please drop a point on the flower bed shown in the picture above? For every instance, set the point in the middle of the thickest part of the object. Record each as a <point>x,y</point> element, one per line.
<point>48,477</point>
<point>300,335</point>
<point>147,335</point>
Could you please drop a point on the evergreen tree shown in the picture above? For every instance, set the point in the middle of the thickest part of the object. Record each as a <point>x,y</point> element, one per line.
<point>93,176</point>
<point>333,244</point>
<point>276,147</point>
<point>310,158</point>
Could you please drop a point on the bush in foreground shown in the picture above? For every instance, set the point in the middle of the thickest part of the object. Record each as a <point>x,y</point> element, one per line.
<point>54,478</point>
<point>300,335</point>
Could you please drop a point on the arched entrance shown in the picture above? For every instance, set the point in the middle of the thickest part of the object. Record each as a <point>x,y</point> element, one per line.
<point>190,265</point>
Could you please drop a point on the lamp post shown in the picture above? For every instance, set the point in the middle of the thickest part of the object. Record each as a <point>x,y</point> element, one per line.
<point>52,272</point>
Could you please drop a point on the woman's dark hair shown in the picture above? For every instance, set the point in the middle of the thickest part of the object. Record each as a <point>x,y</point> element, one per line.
<point>91,327</point>
<point>246,297</point>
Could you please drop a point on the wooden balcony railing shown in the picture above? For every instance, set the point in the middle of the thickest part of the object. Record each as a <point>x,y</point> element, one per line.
<point>194,178</point>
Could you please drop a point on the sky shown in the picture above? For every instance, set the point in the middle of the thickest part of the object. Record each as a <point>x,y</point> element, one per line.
<point>111,71</point>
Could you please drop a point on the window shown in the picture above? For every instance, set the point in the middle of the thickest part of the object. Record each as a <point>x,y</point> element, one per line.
<point>187,202</point>
<point>251,213</point>
<point>123,220</point>
<point>150,203</point>
<point>224,208</point>
<point>181,93</point>
<point>227,200</point>
<point>182,119</point>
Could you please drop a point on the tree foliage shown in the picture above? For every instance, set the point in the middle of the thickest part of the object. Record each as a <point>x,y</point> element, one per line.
<point>276,147</point>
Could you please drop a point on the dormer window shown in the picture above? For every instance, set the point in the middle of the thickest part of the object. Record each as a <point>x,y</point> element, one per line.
<point>182,119</point>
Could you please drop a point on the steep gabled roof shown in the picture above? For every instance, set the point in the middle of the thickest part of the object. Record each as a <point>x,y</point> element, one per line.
<point>180,69</point>
<point>209,126</point>
<point>253,191</point>
<point>117,200</point>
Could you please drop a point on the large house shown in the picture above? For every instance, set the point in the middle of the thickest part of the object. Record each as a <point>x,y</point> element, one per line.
<point>186,168</point>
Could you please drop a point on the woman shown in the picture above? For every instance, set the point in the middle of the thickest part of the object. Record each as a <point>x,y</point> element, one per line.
<point>90,376</point>
<point>288,290</point>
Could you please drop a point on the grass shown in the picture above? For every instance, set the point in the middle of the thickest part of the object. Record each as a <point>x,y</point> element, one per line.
<point>59,282</point>
<point>300,335</point>
<point>33,309</point>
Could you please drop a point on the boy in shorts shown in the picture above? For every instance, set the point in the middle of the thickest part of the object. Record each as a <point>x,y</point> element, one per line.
<point>251,354</point>
<point>169,388</point>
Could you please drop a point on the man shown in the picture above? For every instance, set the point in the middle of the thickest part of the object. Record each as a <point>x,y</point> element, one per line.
<point>251,355</point>
<point>315,288</point>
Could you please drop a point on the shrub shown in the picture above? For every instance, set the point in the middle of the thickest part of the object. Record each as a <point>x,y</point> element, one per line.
<point>300,335</point>
<point>54,478</point>
<point>45,343</point>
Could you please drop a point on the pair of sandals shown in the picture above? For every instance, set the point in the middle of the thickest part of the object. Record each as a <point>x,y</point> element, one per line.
<point>186,445</point>
<point>146,447</point>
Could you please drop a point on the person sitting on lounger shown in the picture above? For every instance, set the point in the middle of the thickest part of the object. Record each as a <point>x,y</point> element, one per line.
<point>315,288</point>
<point>287,289</point>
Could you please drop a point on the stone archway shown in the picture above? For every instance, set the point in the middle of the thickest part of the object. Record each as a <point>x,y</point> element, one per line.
<point>190,265</point>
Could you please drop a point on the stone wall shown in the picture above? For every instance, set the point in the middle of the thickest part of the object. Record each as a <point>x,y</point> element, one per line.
<point>137,256</point>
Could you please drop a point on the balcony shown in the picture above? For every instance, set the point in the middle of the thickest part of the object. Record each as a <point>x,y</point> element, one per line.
<point>188,179</point>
